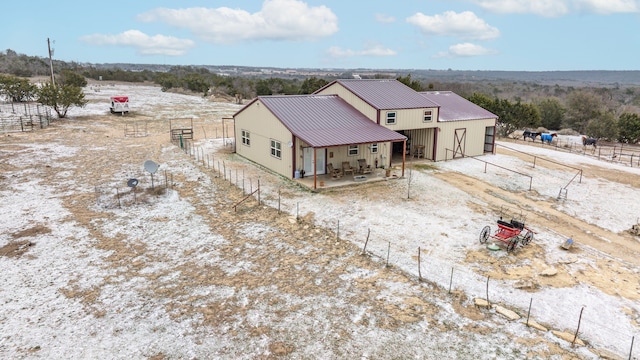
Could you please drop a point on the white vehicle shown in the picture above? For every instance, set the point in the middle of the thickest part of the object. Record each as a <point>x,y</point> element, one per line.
<point>119,104</point>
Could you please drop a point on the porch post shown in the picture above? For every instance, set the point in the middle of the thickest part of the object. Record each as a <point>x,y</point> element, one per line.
<point>315,176</point>
<point>404,154</point>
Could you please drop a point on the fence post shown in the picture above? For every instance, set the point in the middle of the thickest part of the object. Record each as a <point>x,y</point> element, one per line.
<point>529,312</point>
<point>577,329</point>
<point>364,249</point>
<point>388,251</point>
<point>488,303</point>
<point>631,350</point>
<point>338,231</point>
<point>419,271</point>
<point>451,280</point>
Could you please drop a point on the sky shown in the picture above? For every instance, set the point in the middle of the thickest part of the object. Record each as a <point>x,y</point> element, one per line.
<point>512,35</point>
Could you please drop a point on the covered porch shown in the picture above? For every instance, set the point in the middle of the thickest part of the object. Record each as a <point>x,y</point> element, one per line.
<point>327,181</point>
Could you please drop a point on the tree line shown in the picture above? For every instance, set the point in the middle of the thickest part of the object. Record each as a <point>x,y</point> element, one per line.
<point>600,112</point>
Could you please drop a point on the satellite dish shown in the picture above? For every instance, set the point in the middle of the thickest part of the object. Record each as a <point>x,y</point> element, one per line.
<point>150,166</point>
<point>132,183</point>
<point>290,144</point>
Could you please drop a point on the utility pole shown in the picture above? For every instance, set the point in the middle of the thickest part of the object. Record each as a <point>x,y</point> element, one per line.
<point>53,81</point>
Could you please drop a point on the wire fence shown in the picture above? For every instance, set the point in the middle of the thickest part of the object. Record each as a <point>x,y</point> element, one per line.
<point>18,117</point>
<point>581,323</point>
<point>624,154</point>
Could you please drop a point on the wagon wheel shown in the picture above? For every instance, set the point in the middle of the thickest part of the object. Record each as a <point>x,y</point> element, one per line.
<point>512,244</point>
<point>527,238</point>
<point>484,234</point>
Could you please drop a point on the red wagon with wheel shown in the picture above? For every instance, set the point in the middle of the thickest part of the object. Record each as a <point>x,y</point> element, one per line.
<point>512,234</point>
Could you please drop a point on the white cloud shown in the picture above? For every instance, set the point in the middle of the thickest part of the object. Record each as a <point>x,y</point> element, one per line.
<point>371,50</point>
<point>143,43</point>
<point>277,20</point>
<point>609,6</point>
<point>465,50</point>
<point>552,8</point>
<point>464,25</point>
<point>382,18</point>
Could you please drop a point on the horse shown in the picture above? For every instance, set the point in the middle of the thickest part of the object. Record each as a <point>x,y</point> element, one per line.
<point>548,138</point>
<point>530,134</point>
<point>589,141</point>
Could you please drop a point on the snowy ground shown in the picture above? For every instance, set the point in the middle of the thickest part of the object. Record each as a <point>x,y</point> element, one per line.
<point>177,273</point>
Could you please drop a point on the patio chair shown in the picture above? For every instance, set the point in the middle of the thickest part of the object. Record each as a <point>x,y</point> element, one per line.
<point>335,173</point>
<point>346,168</point>
<point>419,151</point>
<point>364,168</point>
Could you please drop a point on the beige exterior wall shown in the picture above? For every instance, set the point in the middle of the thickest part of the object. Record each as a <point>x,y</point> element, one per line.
<point>263,126</point>
<point>473,140</point>
<point>353,100</point>
<point>407,119</point>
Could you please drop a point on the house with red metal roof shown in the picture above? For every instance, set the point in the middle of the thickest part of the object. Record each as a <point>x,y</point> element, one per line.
<point>293,134</point>
<point>438,125</point>
<point>347,121</point>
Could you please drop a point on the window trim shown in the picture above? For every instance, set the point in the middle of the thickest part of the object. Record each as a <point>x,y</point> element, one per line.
<point>391,115</point>
<point>430,116</point>
<point>374,148</point>
<point>353,150</point>
<point>276,148</point>
<point>246,137</point>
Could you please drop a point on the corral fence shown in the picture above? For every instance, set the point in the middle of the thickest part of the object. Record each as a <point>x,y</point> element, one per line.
<point>624,154</point>
<point>435,273</point>
<point>564,190</point>
<point>487,163</point>
<point>136,129</point>
<point>535,158</point>
<point>18,117</point>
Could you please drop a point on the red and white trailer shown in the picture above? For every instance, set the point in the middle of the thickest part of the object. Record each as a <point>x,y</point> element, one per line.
<point>119,104</point>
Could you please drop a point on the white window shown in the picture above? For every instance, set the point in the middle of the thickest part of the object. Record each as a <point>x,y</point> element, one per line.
<point>391,117</point>
<point>427,116</point>
<point>276,149</point>
<point>353,150</point>
<point>374,148</point>
<point>246,138</point>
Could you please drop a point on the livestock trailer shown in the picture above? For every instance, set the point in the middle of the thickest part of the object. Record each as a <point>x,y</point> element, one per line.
<point>119,104</point>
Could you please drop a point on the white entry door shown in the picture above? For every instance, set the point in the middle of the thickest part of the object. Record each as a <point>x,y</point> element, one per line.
<point>308,161</point>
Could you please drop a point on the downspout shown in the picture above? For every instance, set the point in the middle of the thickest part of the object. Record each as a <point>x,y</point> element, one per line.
<point>294,158</point>
<point>435,144</point>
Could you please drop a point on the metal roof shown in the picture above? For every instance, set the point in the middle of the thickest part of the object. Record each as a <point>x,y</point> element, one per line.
<point>326,120</point>
<point>385,94</point>
<point>454,107</point>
